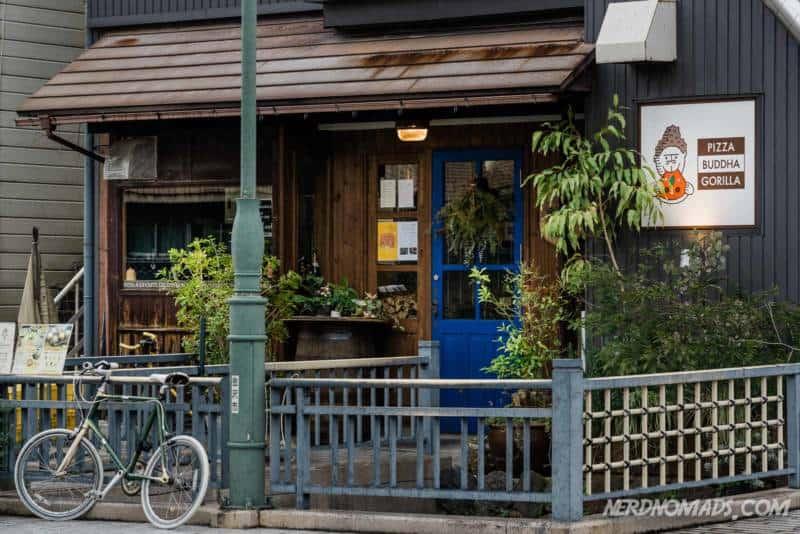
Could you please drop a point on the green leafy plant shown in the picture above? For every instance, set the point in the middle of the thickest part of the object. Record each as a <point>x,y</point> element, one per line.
<point>312,296</point>
<point>598,189</point>
<point>474,223</point>
<point>204,272</point>
<point>369,307</point>
<point>675,314</point>
<point>398,308</point>
<point>342,298</point>
<point>532,308</point>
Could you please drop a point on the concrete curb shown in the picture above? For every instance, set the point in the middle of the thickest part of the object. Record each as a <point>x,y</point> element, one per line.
<point>400,523</point>
<point>113,511</point>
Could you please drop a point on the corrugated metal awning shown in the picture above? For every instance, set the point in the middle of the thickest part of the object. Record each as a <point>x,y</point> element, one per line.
<point>304,67</point>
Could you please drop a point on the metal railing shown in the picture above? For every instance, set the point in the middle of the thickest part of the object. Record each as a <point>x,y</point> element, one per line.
<point>610,437</point>
<point>296,398</point>
<point>74,286</point>
<point>36,403</point>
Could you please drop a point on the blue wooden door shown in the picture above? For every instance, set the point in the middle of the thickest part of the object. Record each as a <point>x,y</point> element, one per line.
<point>466,330</point>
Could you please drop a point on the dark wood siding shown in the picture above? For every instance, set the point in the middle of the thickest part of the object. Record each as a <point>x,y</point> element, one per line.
<point>729,48</point>
<point>115,13</point>
<point>353,13</point>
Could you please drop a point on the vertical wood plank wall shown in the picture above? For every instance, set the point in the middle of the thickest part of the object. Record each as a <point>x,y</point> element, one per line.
<point>41,182</point>
<point>342,195</point>
<point>729,48</point>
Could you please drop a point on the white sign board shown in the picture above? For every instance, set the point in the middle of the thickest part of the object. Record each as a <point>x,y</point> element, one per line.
<point>42,349</point>
<point>704,154</point>
<point>6,347</point>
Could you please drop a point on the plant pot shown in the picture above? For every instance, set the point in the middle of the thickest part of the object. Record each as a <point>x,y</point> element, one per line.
<point>540,449</point>
<point>496,438</point>
<point>336,314</point>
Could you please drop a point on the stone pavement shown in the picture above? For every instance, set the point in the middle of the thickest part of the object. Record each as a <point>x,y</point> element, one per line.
<point>789,524</point>
<point>30,525</point>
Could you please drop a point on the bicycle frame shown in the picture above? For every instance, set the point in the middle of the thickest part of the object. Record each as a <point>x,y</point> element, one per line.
<point>90,425</point>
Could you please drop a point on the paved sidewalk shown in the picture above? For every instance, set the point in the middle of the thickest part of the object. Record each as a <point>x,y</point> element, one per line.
<point>789,524</point>
<point>29,525</point>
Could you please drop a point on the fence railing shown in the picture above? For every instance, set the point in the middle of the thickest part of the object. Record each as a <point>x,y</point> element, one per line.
<point>32,404</point>
<point>74,288</point>
<point>610,437</point>
<point>655,433</point>
<point>294,399</point>
<point>375,427</point>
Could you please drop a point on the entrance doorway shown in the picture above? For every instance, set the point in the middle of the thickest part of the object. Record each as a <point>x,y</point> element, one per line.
<point>466,330</point>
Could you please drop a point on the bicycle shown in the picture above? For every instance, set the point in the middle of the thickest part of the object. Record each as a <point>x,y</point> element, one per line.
<point>59,472</point>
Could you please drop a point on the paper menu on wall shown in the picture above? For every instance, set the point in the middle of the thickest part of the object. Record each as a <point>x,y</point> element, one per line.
<point>405,193</point>
<point>388,193</point>
<point>407,246</point>
<point>387,241</point>
<point>6,347</point>
<point>42,349</point>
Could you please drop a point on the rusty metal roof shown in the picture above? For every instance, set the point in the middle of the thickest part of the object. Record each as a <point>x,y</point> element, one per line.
<point>304,67</point>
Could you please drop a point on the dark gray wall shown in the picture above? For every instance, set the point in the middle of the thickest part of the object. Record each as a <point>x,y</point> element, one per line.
<point>107,13</point>
<point>726,48</point>
<point>348,13</point>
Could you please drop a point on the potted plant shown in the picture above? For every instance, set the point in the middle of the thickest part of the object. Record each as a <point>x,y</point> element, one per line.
<point>369,307</point>
<point>342,299</point>
<point>398,308</point>
<point>533,307</point>
<point>475,222</point>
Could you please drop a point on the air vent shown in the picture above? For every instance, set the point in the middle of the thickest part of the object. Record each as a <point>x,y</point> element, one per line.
<point>132,158</point>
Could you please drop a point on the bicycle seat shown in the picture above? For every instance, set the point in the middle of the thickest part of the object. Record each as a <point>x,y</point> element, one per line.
<point>170,379</point>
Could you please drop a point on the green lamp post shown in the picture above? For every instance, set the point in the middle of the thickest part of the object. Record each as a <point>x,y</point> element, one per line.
<point>248,336</point>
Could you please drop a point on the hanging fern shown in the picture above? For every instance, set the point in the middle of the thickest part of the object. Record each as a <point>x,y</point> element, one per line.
<point>474,223</point>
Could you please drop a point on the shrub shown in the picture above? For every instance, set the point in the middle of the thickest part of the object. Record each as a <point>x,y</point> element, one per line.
<point>664,317</point>
<point>204,270</point>
<point>532,308</point>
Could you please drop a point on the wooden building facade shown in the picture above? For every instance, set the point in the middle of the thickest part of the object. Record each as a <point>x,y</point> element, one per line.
<point>335,81</point>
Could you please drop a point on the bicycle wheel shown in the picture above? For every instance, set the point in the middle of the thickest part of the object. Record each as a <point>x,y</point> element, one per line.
<point>174,502</point>
<point>55,496</point>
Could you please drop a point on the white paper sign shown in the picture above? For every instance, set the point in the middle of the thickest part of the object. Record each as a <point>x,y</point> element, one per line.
<point>405,193</point>
<point>388,193</point>
<point>407,248</point>
<point>42,349</point>
<point>6,347</point>
<point>704,154</point>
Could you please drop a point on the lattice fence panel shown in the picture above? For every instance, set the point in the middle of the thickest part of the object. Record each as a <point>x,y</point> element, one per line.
<point>659,435</point>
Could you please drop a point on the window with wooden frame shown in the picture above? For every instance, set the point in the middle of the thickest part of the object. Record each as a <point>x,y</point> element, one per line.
<point>395,254</point>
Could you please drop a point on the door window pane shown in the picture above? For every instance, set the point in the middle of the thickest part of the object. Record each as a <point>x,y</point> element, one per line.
<point>459,176</point>
<point>499,176</point>
<point>496,285</point>
<point>458,296</point>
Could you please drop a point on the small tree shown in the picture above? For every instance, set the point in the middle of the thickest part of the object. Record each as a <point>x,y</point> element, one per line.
<point>597,190</point>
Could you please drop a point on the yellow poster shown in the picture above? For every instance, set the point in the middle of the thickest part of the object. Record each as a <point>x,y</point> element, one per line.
<point>387,241</point>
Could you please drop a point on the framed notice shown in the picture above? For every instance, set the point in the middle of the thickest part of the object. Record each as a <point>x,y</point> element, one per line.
<point>387,240</point>
<point>42,349</point>
<point>7,331</point>
<point>704,155</point>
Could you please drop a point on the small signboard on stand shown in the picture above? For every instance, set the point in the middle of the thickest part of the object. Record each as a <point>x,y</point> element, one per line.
<point>42,349</point>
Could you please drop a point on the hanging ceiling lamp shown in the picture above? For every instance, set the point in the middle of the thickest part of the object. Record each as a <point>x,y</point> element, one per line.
<point>412,131</point>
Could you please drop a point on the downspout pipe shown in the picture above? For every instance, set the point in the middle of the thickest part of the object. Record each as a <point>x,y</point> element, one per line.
<point>788,11</point>
<point>89,302</point>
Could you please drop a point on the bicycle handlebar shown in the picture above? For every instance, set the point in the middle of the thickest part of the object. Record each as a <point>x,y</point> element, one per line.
<point>102,365</point>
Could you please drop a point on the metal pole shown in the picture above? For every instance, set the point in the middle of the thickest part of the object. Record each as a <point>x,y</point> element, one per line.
<point>248,338</point>
<point>89,188</point>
